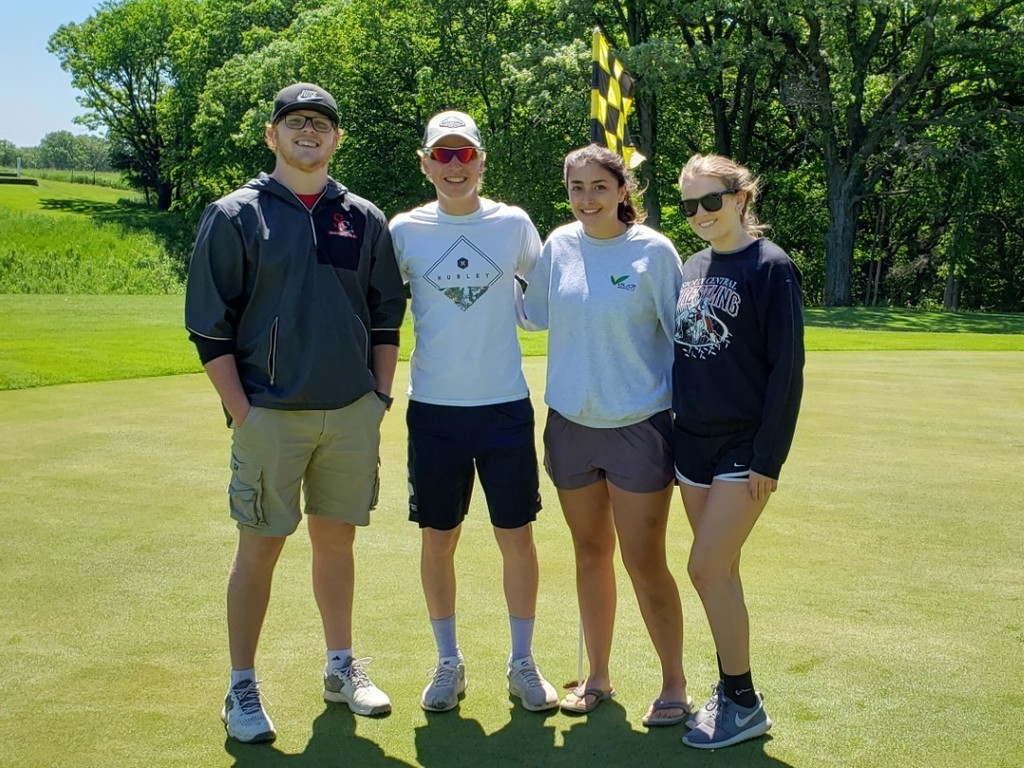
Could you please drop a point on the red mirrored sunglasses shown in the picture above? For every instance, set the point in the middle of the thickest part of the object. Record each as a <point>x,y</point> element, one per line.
<point>447,154</point>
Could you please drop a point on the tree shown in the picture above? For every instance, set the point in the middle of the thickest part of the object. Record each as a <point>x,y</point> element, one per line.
<point>119,59</point>
<point>8,153</point>
<point>60,150</point>
<point>862,76</point>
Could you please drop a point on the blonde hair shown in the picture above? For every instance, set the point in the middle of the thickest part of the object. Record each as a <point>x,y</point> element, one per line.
<point>734,176</point>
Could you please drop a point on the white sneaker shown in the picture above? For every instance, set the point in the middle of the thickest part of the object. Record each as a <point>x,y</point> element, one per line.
<point>351,685</point>
<point>244,716</point>
<point>447,684</point>
<point>526,682</point>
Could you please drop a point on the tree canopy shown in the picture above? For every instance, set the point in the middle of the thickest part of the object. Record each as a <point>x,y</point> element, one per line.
<point>875,127</point>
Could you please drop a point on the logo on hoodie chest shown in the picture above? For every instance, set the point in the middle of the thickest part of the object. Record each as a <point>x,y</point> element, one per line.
<point>463,273</point>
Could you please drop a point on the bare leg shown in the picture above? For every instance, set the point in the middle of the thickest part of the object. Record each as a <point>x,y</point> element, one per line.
<point>249,581</point>
<point>641,520</point>
<point>588,513</point>
<point>520,573</point>
<point>437,570</point>
<point>722,518</point>
<point>333,576</point>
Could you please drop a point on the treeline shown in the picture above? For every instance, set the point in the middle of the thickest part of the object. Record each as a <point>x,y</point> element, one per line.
<point>61,150</point>
<point>887,134</point>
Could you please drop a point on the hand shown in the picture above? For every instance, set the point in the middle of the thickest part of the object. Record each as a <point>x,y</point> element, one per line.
<point>239,419</point>
<point>761,486</point>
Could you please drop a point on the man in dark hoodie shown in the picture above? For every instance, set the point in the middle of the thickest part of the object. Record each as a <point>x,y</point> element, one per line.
<point>294,303</point>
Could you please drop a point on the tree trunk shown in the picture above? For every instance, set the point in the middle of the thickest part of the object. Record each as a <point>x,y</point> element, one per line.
<point>843,207</point>
<point>164,196</point>
<point>647,112</point>
<point>951,297</point>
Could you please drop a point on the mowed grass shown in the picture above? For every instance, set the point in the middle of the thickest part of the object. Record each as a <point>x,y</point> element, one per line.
<point>46,340</point>
<point>883,585</point>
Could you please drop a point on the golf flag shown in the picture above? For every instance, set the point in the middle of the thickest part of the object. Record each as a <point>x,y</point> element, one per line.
<point>611,96</point>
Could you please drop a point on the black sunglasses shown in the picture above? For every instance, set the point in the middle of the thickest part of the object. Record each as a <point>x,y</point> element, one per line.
<point>712,201</point>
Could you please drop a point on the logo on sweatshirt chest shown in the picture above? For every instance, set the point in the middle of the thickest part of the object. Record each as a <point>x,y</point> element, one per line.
<point>341,227</point>
<point>621,283</point>
<point>702,314</point>
<point>463,274</point>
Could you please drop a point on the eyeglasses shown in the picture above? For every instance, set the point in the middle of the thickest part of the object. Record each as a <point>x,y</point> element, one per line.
<point>445,155</point>
<point>298,122</point>
<point>711,202</point>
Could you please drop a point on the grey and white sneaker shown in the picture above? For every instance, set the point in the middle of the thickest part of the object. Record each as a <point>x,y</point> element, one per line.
<point>243,714</point>
<point>448,682</point>
<point>351,685</point>
<point>708,710</point>
<point>730,724</point>
<point>526,682</point>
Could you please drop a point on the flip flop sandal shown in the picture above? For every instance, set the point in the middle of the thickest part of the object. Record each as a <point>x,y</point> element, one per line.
<point>580,706</point>
<point>660,705</point>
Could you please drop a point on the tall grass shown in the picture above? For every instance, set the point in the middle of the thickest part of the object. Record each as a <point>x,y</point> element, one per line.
<point>110,179</point>
<point>74,255</point>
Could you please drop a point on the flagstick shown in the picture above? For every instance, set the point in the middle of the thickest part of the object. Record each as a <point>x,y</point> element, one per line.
<point>579,660</point>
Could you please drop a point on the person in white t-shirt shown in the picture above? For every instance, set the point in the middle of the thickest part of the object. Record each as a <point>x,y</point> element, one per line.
<point>469,406</point>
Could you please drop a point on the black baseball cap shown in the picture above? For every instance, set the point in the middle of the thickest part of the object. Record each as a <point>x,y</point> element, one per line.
<point>304,96</point>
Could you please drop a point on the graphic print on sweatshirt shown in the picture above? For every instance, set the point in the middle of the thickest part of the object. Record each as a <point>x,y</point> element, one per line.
<point>463,273</point>
<point>701,330</point>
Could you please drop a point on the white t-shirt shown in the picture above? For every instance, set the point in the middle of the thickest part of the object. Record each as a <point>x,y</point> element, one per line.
<point>609,307</point>
<point>461,272</point>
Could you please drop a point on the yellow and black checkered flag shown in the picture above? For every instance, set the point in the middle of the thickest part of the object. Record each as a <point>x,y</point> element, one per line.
<point>611,96</point>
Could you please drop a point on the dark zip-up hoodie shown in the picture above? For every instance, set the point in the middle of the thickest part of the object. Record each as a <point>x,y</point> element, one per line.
<point>298,296</point>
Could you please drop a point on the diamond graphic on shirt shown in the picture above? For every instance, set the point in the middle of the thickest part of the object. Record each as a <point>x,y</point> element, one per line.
<point>463,273</point>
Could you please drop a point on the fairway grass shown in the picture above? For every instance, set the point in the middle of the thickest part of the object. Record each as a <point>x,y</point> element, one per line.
<point>884,584</point>
<point>47,340</point>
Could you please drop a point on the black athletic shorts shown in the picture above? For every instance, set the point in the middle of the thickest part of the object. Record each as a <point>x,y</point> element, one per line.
<point>701,458</point>
<point>449,445</point>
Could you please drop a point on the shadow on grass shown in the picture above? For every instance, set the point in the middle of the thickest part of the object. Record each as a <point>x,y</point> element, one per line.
<point>170,228</point>
<point>602,738</point>
<point>890,319</point>
<point>333,742</point>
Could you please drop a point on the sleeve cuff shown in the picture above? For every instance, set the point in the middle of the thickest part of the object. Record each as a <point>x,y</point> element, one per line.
<point>211,349</point>
<point>384,337</point>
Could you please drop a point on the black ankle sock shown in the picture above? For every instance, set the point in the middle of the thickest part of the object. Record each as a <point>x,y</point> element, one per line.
<point>721,674</point>
<point>740,689</point>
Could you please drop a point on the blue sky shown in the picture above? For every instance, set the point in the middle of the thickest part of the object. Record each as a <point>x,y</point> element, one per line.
<point>36,93</point>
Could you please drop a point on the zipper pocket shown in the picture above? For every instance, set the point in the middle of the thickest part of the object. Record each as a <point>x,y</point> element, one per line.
<point>272,355</point>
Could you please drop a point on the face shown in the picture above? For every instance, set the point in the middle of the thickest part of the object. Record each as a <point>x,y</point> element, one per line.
<point>595,194</point>
<point>304,149</point>
<point>722,228</point>
<point>457,182</point>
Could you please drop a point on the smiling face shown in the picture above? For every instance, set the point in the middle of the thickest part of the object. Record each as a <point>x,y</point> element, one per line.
<point>457,183</point>
<point>595,194</point>
<point>723,228</point>
<point>302,151</point>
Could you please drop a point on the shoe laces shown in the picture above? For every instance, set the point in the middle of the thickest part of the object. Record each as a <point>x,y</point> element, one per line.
<point>356,672</point>
<point>529,674</point>
<point>444,675</point>
<point>248,698</point>
<point>716,696</point>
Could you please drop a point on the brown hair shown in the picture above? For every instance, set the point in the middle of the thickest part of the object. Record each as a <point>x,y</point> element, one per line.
<point>629,212</point>
<point>734,176</point>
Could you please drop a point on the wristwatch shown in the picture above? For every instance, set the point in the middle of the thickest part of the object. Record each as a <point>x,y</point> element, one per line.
<point>386,399</point>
